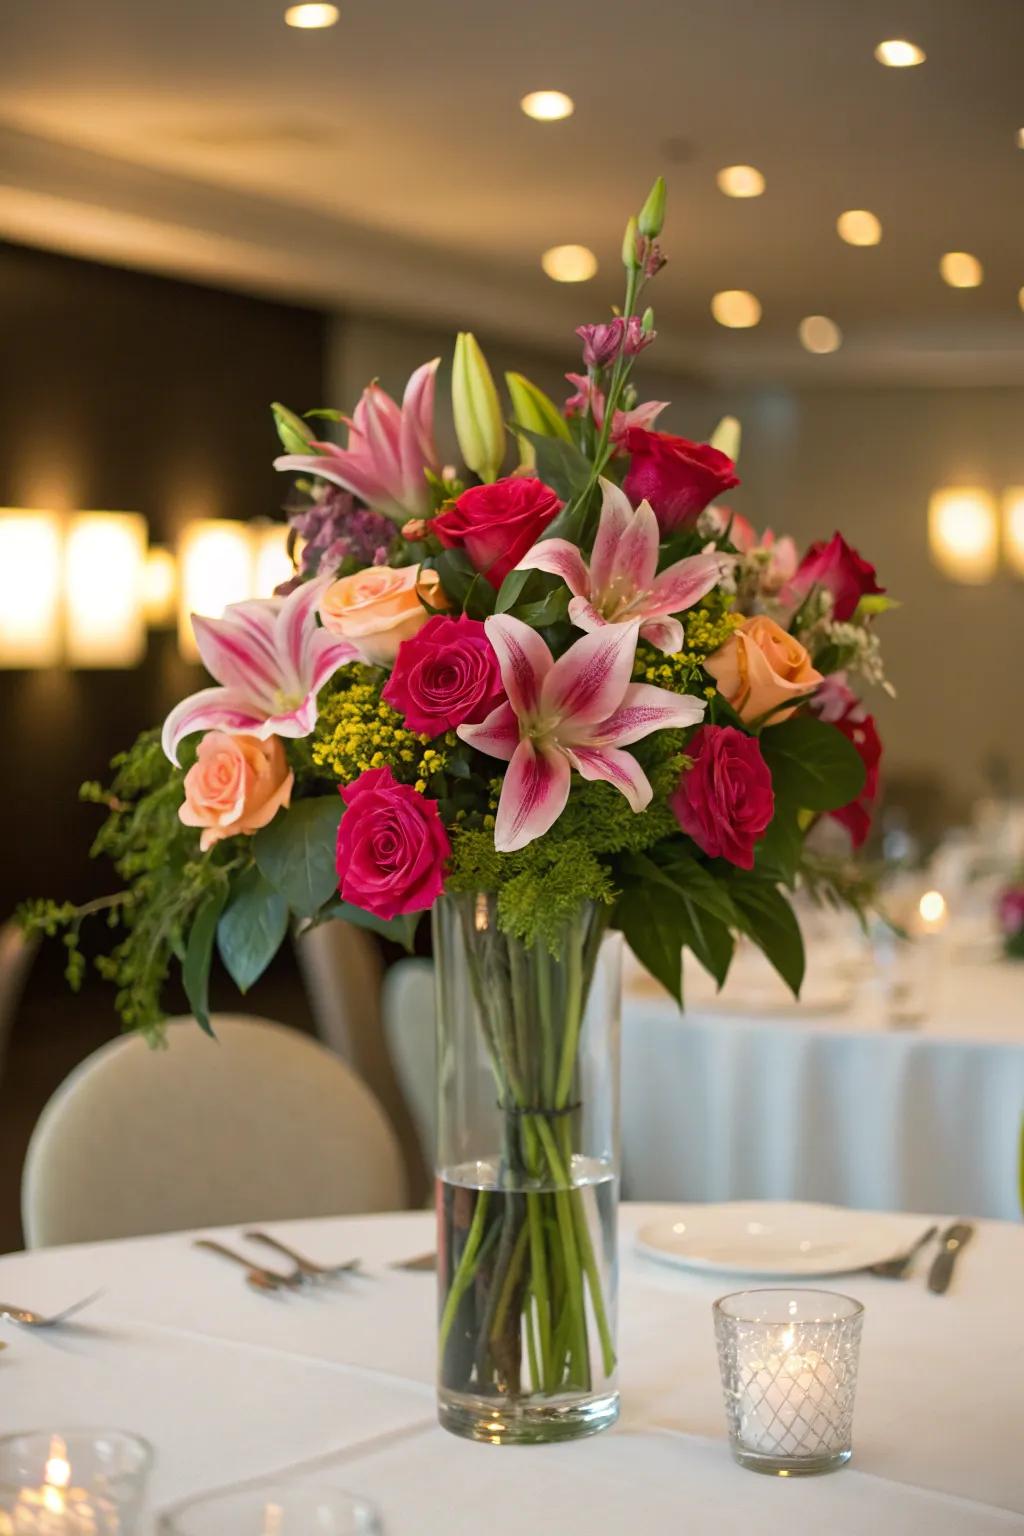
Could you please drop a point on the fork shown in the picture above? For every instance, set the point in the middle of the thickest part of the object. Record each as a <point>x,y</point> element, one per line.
<point>305,1266</point>
<point>897,1268</point>
<point>259,1278</point>
<point>28,1319</point>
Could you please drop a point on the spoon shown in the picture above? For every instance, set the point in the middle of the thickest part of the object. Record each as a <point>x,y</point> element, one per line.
<point>28,1319</point>
<point>260,1279</point>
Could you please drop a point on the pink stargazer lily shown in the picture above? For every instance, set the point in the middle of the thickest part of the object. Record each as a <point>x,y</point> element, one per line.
<point>576,712</point>
<point>272,659</point>
<point>389,447</point>
<point>621,584</point>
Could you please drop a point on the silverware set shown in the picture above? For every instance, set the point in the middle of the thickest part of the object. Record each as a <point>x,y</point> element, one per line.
<point>260,1278</point>
<point>951,1244</point>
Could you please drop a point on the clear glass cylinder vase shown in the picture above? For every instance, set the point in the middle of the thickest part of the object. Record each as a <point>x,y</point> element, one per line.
<point>527,1174</point>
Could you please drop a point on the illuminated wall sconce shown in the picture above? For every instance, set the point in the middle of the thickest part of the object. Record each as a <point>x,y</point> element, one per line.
<point>30,588</point>
<point>215,568</point>
<point>104,617</point>
<point>1013,528</point>
<point>963,534</point>
<point>273,564</point>
<point>160,588</point>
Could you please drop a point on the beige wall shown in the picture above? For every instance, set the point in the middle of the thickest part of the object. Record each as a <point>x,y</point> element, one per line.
<point>865,461</point>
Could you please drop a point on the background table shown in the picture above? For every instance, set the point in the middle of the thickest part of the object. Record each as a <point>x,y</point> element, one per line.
<point>833,1106</point>
<point>230,1385</point>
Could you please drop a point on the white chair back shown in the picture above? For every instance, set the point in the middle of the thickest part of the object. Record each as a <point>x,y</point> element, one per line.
<point>343,971</point>
<point>409,1028</point>
<point>260,1124</point>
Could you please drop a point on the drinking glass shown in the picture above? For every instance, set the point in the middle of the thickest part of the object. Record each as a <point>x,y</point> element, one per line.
<point>273,1509</point>
<point>73,1482</point>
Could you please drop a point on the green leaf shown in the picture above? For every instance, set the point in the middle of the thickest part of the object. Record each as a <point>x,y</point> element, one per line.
<point>195,972</point>
<point>251,929</point>
<point>510,590</point>
<point>326,412</point>
<point>296,853</point>
<point>560,464</point>
<point>812,763</point>
<point>711,942</point>
<point>548,610</point>
<point>691,881</point>
<point>767,917</point>
<point>777,854</point>
<point>654,931</point>
<point>685,903</point>
<point>400,930</point>
<point>465,585</point>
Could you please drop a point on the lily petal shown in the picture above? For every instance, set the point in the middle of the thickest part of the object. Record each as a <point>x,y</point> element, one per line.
<point>616,512</point>
<point>559,558</point>
<point>498,735</point>
<point>523,658</point>
<point>234,659</point>
<point>635,560</point>
<point>588,682</point>
<point>645,709</point>
<point>614,767</point>
<point>220,709</point>
<point>346,470</point>
<point>416,438</point>
<point>584,615</point>
<point>666,635</point>
<point>685,583</point>
<point>533,796</point>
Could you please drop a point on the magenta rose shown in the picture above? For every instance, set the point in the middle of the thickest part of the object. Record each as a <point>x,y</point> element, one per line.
<point>677,477</point>
<point>496,524</point>
<point>444,676</point>
<point>725,801</point>
<point>392,846</point>
<point>838,568</point>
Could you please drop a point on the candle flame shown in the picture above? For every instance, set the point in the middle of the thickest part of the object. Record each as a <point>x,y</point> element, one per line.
<point>932,908</point>
<point>786,1338</point>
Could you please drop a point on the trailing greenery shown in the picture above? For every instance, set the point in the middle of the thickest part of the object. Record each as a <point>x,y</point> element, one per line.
<point>167,884</point>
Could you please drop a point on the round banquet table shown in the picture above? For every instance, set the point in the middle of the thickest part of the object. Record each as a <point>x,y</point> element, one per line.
<point>335,1384</point>
<point>831,1106</point>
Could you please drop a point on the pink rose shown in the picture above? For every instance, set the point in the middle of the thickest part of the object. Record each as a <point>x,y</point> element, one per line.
<point>1011,911</point>
<point>236,784</point>
<point>496,524</point>
<point>392,846</point>
<point>725,801</point>
<point>838,568</point>
<point>677,477</point>
<point>445,676</point>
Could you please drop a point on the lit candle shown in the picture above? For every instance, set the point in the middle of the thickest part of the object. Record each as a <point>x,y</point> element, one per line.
<point>57,1508</point>
<point>932,912</point>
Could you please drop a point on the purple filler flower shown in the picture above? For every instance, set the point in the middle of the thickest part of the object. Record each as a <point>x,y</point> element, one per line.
<point>335,528</point>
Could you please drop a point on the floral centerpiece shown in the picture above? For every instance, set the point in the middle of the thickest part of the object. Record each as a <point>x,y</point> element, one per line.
<point>556,692</point>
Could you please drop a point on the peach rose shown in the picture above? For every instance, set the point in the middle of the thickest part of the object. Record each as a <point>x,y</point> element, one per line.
<point>379,608</point>
<point>760,667</point>
<point>237,784</point>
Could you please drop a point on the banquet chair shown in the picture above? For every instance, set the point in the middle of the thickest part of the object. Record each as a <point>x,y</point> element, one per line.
<point>409,1015</point>
<point>17,951</point>
<point>343,972</point>
<point>260,1124</point>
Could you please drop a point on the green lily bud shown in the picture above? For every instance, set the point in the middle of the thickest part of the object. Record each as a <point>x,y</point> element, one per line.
<point>647,321</point>
<point>295,434</point>
<point>652,214</point>
<point>536,411</point>
<point>629,256</point>
<point>726,437</point>
<point>477,409</point>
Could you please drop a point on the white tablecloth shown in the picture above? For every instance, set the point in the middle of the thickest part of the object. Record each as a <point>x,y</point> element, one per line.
<point>832,1106</point>
<point>337,1384</point>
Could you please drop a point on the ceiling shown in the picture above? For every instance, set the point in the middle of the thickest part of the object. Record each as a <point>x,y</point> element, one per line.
<point>384,163</point>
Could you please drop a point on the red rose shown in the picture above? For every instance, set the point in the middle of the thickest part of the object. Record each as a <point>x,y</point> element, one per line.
<point>496,524</point>
<point>838,705</point>
<point>444,676</point>
<point>392,846</point>
<point>725,801</point>
<point>838,568</point>
<point>677,477</point>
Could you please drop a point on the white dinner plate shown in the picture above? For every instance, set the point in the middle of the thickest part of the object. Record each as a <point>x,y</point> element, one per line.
<point>768,1239</point>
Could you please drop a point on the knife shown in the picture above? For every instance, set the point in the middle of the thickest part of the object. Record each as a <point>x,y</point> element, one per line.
<point>950,1243</point>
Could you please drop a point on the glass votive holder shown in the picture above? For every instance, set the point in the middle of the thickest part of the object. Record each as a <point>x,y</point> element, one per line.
<point>273,1509</point>
<point>789,1373</point>
<point>73,1482</point>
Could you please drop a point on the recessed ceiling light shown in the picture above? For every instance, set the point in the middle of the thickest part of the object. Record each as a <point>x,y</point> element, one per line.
<point>569,263</point>
<point>740,181</point>
<point>309,17</point>
<point>961,270</point>
<point>1020,298</point>
<point>736,308</point>
<point>820,334</point>
<point>859,227</point>
<point>899,54</point>
<point>1020,138</point>
<point>548,106</point>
